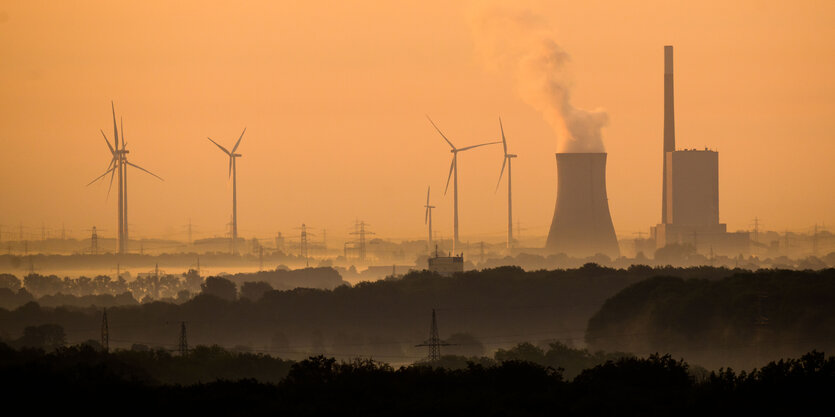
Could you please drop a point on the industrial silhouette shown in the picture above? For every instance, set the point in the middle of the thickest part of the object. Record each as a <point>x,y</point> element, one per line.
<point>303,252</point>
<point>582,225</point>
<point>119,165</point>
<point>690,189</point>
<point>453,171</point>
<point>360,243</point>
<point>434,342</point>
<point>428,217</point>
<point>233,174</point>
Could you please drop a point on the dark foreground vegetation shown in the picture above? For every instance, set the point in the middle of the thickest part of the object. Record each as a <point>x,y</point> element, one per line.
<point>742,319</point>
<point>93,382</point>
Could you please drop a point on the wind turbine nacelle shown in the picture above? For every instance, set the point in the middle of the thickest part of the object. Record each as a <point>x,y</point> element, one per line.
<point>237,155</point>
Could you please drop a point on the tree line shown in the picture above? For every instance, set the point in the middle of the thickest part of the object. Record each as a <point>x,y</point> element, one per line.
<point>84,378</point>
<point>106,291</point>
<point>384,319</point>
<point>743,319</point>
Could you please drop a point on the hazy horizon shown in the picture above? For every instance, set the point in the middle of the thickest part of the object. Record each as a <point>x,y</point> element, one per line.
<point>333,97</point>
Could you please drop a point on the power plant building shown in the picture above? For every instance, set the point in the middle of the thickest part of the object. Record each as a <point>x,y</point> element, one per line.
<point>690,190</point>
<point>446,265</point>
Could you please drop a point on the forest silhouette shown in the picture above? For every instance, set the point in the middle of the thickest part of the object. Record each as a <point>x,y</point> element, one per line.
<point>724,318</point>
<point>216,381</point>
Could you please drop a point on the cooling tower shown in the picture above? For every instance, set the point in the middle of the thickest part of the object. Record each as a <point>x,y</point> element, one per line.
<point>582,225</point>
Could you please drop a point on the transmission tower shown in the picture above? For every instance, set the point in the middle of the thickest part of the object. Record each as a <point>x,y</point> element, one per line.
<point>279,242</point>
<point>156,281</point>
<point>105,332</point>
<point>183,340</point>
<point>359,230</point>
<point>94,242</point>
<point>434,342</point>
<point>303,245</point>
<point>815,241</point>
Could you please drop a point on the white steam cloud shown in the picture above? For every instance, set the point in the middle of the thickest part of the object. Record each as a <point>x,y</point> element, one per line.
<point>521,43</point>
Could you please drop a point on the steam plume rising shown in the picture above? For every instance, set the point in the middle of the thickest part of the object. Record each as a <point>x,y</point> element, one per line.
<point>520,42</point>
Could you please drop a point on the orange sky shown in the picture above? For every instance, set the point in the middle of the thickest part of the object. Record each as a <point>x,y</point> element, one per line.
<point>333,95</point>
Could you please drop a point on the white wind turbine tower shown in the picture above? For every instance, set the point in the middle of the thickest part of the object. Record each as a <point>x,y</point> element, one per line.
<point>118,164</point>
<point>507,161</point>
<point>233,174</point>
<point>453,169</point>
<point>428,217</point>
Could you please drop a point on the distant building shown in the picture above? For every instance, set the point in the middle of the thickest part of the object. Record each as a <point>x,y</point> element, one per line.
<point>446,265</point>
<point>690,190</point>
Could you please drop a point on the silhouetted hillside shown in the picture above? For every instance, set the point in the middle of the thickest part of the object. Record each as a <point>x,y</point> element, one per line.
<point>385,319</point>
<point>743,319</point>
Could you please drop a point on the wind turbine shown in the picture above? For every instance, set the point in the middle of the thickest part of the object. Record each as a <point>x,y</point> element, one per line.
<point>428,217</point>
<point>233,174</point>
<point>453,168</point>
<point>507,161</point>
<point>119,164</point>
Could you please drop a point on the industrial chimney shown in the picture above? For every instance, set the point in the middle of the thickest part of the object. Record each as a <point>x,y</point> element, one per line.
<point>582,225</point>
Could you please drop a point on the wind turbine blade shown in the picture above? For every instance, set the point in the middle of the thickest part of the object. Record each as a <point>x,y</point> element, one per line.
<point>476,146</point>
<point>230,165</point>
<point>101,176</point>
<point>115,130</point>
<point>504,162</point>
<point>439,131</point>
<point>110,187</point>
<point>112,151</point>
<point>112,162</point>
<point>137,166</point>
<point>239,141</point>
<point>122,129</point>
<point>450,173</point>
<point>504,142</point>
<point>221,147</point>
<point>427,194</point>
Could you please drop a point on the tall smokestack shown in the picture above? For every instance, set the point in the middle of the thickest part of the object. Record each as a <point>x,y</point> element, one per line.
<point>669,126</point>
<point>582,225</point>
